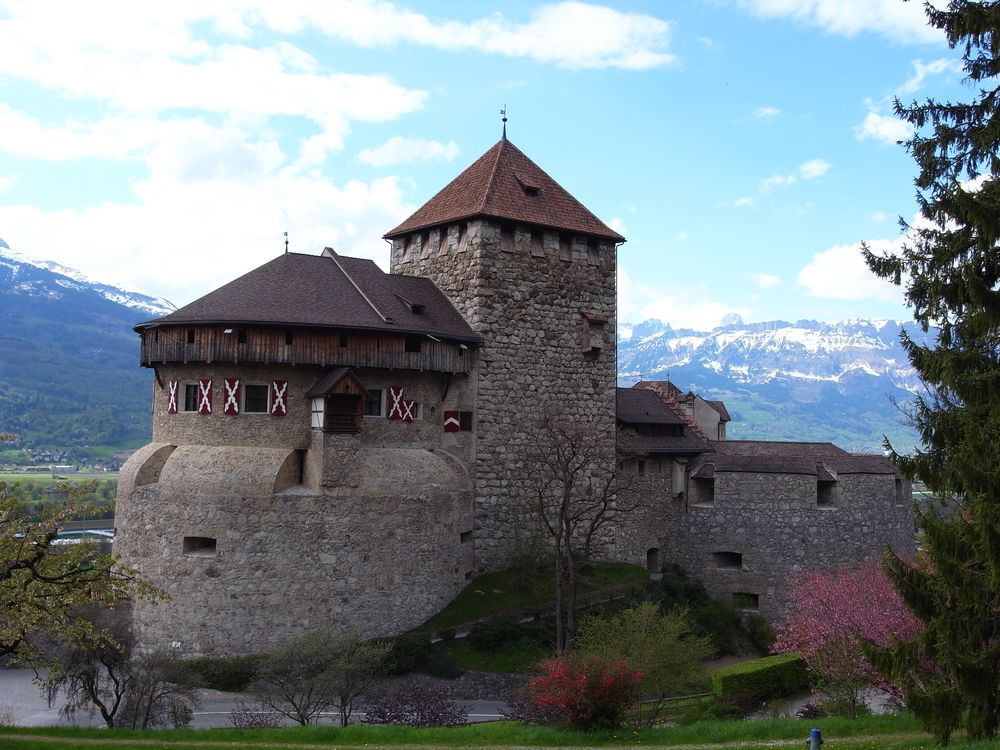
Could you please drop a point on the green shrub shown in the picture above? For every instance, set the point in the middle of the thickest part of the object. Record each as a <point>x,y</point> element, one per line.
<point>440,663</point>
<point>762,633</point>
<point>228,673</point>
<point>407,653</point>
<point>494,636</point>
<point>716,709</point>
<point>762,679</point>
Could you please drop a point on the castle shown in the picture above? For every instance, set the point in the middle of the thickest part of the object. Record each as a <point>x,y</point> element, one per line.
<point>335,443</point>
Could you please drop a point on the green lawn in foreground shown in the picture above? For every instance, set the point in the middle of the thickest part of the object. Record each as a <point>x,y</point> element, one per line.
<point>495,593</point>
<point>870,733</point>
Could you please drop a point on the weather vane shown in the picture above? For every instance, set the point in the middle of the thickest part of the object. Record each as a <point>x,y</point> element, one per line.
<point>286,243</point>
<point>504,120</point>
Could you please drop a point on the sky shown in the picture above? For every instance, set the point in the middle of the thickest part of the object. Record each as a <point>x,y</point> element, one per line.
<point>743,147</point>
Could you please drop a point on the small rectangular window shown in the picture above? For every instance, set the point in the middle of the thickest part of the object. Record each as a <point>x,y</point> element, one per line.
<point>241,336</point>
<point>537,249</point>
<point>640,467</point>
<point>374,402</point>
<point>343,341</point>
<point>746,600</point>
<point>288,338</point>
<point>593,254</point>
<point>507,239</point>
<point>465,421</point>
<point>565,247</point>
<point>190,397</point>
<point>465,537</point>
<point>190,335</point>
<point>411,343</point>
<point>200,546</point>
<point>255,399</point>
<point>728,560</point>
<point>463,237</point>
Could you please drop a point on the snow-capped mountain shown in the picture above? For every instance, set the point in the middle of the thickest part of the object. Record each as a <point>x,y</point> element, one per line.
<point>806,380</point>
<point>69,375</point>
<point>27,276</point>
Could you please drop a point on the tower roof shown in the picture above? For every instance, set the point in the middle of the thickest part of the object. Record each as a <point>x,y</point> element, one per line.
<point>503,183</point>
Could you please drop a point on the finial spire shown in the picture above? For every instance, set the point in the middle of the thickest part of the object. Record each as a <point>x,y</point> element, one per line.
<point>504,120</point>
<point>286,243</point>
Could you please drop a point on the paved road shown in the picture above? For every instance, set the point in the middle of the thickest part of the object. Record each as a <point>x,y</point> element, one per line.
<point>20,695</point>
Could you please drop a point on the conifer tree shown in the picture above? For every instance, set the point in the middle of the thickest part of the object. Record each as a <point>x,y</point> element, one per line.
<point>950,269</point>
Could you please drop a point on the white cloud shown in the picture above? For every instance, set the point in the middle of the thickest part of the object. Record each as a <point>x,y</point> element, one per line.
<point>618,225</point>
<point>883,128</point>
<point>179,234</point>
<point>572,35</point>
<point>6,181</point>
<point>743,201</point>
<point>921,71</point>
<point>765,280</point>
<point>813,168</point>
<point>878,216</point>
<point>777,180</point>
<point>681,307</point>
<point>807,170</point>
<point>766,113</point>
<point>399,150</point>
<point>840,272</point>
<point>901,21</point>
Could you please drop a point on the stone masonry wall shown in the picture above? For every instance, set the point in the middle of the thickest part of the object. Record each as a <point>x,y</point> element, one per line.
<point>525,298</point>
<point>376,537</point>
<point>774,523</point>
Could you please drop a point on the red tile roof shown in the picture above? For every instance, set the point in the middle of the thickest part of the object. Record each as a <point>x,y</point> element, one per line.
<point>503,183</point>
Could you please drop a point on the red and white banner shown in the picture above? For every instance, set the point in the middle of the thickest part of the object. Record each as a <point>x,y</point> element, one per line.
<point>171,397</point>
<point>232,405</point>
<point>279,392</point>
<point>204,396</point>
<point>452,422</point>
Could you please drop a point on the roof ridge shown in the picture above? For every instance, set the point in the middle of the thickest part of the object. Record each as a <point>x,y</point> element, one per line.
<point>330,253</point>
<point>670,401</point>
<point>493,177</point>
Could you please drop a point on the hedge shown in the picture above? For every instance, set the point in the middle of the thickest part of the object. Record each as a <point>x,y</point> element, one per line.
<point>762,679</point>
<point>227,673</point>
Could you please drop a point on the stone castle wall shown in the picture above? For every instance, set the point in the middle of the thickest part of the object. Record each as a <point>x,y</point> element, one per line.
<point>524,290</point>
<point>777,527</point>
<point>371,531</point>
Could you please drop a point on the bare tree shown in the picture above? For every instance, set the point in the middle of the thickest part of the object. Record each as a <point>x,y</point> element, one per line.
<point>98,671</point>
<point>577,493</point>
<point>316,671</point>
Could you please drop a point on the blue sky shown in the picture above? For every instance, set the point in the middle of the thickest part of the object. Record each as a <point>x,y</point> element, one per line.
<point>744,147</point>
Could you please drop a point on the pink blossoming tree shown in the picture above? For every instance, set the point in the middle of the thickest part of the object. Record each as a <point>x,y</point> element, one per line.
<point>831,617</point>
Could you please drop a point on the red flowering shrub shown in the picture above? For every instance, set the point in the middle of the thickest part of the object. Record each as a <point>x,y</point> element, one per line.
<point>585,692</point>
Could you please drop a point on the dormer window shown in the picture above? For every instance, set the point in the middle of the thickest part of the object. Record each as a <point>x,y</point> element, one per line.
<point>532,191</point>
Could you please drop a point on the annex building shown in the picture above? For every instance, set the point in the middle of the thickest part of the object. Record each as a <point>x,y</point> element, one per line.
<point>336,443</point>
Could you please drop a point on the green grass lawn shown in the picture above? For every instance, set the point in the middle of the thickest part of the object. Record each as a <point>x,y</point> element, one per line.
<point>493,594</point>
<point>863,734</point>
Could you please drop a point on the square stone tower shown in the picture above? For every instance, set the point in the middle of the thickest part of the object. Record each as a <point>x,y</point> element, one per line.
<point>533,272</point>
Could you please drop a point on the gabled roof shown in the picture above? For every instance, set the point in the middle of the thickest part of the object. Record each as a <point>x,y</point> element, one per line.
<point>503,183</point>
<point>824,460</point>
<point>639,406</point>
<point>329,291</point>
<point>720,407</point>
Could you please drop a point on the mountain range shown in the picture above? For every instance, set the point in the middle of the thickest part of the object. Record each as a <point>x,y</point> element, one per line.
<point>847,382</point>
<point>71,388</point>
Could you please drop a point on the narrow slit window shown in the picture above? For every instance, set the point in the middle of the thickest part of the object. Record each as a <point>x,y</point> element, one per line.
<point>746,600</point>
<point>728,560</point>
<point>190,335</point>
<point>537,248</point>
<point>507,239</point>
<point>565,248</point>
<point>199,546</point>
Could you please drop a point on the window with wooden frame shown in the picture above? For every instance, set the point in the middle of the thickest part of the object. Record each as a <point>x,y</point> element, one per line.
<point>256,398</point>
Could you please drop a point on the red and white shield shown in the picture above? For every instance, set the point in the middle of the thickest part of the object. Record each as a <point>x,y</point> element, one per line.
<point>396,397</point>
<point>279,391</point>
<point>171,397</point>
<point>204,396</point>
<point>409,410</point>
<point>232,396</point>
<point>452,422</point>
